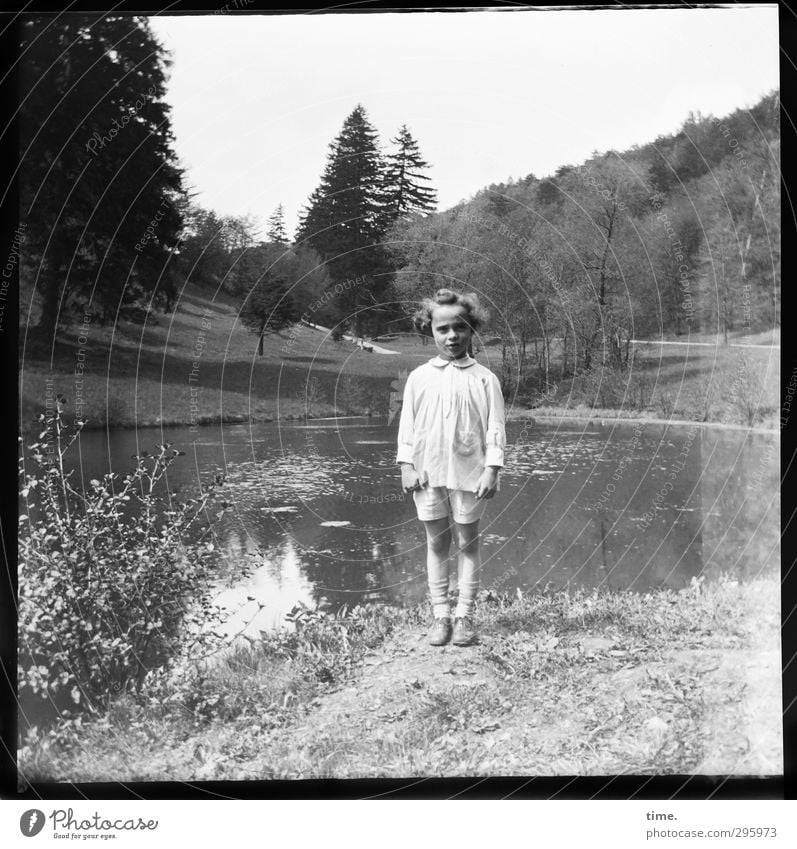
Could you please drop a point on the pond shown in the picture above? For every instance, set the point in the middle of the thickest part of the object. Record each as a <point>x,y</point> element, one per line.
<point>318,506</point>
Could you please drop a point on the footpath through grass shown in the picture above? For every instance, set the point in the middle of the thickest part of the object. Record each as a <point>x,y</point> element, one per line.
<point>577,683</point>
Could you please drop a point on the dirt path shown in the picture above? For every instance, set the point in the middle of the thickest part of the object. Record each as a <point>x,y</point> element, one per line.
<point>662,683</point>
<point>517,704</point>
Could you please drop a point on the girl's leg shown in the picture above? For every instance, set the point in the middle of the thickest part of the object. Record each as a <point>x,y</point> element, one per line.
<point>438,542</point>
<point>468,566</point>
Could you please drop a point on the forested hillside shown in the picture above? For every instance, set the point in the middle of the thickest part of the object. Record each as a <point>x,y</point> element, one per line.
<point>670,239</point>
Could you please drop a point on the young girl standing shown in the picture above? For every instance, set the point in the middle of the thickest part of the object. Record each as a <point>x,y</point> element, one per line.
<point>451,442</point>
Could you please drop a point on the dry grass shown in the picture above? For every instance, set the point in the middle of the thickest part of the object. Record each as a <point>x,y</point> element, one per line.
<point>598,683</point>
<point>139,374</point>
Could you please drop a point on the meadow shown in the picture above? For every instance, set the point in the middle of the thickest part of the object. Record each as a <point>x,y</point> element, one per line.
<point>199,365</point>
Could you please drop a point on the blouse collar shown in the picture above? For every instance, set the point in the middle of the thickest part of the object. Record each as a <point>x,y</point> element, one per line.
<point>463,362</point>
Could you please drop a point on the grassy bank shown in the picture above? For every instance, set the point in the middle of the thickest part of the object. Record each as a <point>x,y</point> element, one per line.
<point>199,365</point>
<point>561,683</point>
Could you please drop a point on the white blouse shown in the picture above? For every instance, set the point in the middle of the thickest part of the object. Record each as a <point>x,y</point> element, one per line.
<point>452,422</point>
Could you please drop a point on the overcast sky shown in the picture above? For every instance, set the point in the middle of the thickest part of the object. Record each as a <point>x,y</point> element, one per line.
<point>488,95</point>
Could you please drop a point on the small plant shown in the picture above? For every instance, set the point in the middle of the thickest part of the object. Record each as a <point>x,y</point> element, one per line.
<point>746,392</point>
<point>705,401</point>
<point>311,396</point>
<point>666,404</point>
<point>545,397</point>
<point>108,577</point>
<point>352,394</point>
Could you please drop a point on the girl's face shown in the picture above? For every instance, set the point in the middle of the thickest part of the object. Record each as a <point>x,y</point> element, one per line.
<point>451,331</point>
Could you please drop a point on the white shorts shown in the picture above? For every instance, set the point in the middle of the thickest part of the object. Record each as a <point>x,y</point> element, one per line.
<point>437,502</point>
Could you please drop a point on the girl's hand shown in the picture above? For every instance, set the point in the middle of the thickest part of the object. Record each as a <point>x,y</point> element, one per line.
<point>410,481</point>
<point>487,483</point>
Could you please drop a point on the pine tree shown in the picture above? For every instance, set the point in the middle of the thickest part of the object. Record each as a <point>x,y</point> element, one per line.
<point>344,219</point>
<point>276,226</point>
<point>403,193</point>
<point>99,182</point>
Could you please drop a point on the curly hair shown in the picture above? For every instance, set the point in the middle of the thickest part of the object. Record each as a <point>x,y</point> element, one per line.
<point>477,315</point>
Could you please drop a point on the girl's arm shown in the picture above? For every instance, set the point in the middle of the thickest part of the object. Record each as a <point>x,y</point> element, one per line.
<point>495,440</point>
<point>496,429</point>
<point>406,429</point>
<point>410,480</point>
<point>406,434</point>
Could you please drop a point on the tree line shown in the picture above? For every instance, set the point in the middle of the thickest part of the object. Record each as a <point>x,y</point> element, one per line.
<point>112,227</point>
<point>676,237</point>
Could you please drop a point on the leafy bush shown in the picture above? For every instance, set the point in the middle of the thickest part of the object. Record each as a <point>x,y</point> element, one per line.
<point>108,577</point>
<point>352,394</point>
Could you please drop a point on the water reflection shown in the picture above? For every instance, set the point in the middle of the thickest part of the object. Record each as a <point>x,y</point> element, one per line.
<point>318,510</point>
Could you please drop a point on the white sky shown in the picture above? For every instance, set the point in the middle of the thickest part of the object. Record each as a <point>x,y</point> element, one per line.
<point>488,95</point>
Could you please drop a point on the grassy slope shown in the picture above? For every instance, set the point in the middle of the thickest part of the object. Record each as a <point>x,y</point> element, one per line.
<point>138,374</point>
<point>687,384</point>
<point>581,684</point>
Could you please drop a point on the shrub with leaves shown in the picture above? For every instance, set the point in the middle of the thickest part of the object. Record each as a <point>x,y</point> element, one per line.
<point>108,576</point>
<point>351,394</point>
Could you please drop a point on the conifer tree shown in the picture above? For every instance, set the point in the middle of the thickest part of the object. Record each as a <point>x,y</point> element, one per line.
<point>276,226</point>
<point>344,219</point>
<point>100,185</point>
<point>403,193</point>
